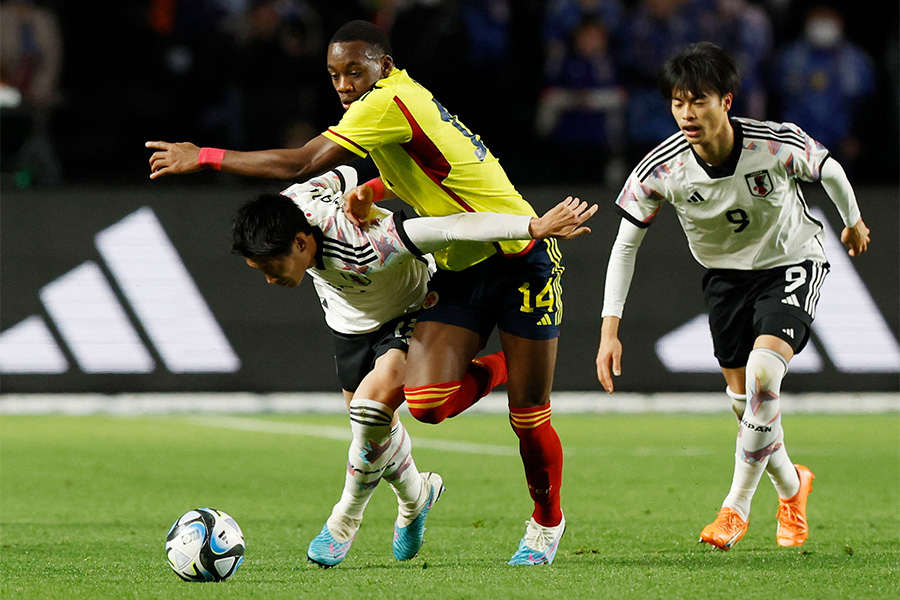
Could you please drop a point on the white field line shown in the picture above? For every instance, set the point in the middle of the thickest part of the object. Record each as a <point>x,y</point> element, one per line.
<point>341,433</point>
<point>325,402</point>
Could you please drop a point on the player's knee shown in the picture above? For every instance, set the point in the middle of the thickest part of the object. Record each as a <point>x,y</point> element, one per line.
<point>431,403</point>
<point>426,415</point>
<point>765,370</point>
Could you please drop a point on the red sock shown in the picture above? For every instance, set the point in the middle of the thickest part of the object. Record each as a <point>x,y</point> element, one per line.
<point>493,367</point>
<point>542,457</point>
<point>434,403</point>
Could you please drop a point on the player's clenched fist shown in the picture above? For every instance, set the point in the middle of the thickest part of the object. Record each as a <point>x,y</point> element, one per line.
<point>172,159</point>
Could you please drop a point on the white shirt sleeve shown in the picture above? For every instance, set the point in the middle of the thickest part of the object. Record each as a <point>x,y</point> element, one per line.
<point>838,188</point>
<point>620,268</point>
<point>430,234</point>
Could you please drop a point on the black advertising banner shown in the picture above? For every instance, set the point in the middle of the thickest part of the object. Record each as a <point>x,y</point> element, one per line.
<point>135,290</point>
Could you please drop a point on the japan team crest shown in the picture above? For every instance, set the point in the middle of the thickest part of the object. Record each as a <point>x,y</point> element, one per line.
<point>760,183</point>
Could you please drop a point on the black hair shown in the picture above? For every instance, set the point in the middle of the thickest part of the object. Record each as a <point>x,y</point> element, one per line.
<point>267,226</point>
<point>363,31</point>
<point>700,69</point>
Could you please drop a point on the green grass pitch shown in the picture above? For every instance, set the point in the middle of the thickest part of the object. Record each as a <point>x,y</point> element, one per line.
<point>85,504</point>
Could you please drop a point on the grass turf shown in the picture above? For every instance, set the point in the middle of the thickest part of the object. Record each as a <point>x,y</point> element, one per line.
<point>85,503</point>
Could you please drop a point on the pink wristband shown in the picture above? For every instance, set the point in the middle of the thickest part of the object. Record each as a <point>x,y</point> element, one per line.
<point>377,187</point>
<point>211,157</point>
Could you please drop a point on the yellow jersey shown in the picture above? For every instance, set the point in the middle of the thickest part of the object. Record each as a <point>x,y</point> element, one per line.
<point>430,161</point>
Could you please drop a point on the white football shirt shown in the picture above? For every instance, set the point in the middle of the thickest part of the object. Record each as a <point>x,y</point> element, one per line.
<point>748,213</point>
<point>367,277</point>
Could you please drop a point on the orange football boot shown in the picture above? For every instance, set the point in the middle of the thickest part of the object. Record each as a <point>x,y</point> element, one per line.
<point>793,529</point>
<point>726,530</point>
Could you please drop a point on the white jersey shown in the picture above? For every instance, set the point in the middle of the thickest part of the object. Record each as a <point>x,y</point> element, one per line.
<point>748,213</point>
<point>367,277</point>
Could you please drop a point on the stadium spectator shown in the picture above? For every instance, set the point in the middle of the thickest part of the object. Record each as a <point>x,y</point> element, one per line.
<point>31,55</point>
<point>430,36</point>
<point>562,17</point>
<point>656,30</point>
<point>279,37</point>
<point>733,183</point>
<point>744,30</point>
<point>822,80</point>
<point>581,112</point>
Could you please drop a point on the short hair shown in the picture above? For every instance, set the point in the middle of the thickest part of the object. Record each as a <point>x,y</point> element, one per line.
<point>363,31</point>
<point>267,226</point>
<point>700,69</point>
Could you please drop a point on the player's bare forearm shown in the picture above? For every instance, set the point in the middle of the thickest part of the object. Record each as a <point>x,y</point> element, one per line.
<point>609,355</point>
<point>856,238</point>
<point>317,156</point>
<point>563,221</point>
<point>358,203</point>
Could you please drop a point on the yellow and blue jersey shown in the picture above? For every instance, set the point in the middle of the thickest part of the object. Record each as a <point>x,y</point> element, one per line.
<point>431,161</point>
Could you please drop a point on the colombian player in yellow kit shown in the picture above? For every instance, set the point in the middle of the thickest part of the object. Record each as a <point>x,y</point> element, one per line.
<point>430,160</point>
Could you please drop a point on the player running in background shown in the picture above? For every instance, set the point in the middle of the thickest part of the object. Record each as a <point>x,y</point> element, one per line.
<point>735,186</point>
<point>430,160</point>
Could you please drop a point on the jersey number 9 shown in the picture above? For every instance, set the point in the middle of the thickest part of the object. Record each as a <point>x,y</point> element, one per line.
<point>738,217</point>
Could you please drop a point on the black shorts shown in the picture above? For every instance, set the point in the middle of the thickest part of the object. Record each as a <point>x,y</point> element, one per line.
<point>521,294</point>
<point>746,304</point>
<point>355,355</point>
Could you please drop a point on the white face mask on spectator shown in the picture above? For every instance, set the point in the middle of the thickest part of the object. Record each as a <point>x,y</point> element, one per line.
<point>823,32</point>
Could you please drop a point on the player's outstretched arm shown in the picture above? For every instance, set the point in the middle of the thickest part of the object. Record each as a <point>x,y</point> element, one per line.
<point>856,238</point>
<point>609,355</point>
<point>298,164</point>
<point>563,221</point>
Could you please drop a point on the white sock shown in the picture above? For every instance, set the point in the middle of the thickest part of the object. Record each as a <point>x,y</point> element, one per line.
<point>760,433</point>
<point>782,473</point>
<point>404,477</point>
<point>780,469</point>
<point>367,458</point>
<point>738,403</point>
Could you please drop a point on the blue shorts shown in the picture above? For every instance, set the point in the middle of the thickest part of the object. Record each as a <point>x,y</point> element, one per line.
<point>520,295</point>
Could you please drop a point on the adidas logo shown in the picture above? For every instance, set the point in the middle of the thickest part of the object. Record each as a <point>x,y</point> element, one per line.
<point>101,333</point>
<point>791,300</point>
<point>696,198</point>
<point>789,331</point>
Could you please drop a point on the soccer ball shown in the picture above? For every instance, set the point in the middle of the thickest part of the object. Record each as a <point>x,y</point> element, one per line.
<point>205,544</point>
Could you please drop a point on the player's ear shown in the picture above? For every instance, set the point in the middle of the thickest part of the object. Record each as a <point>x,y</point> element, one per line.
<point>301,241</point>
<point>387,63</point>
<point>727,101</point>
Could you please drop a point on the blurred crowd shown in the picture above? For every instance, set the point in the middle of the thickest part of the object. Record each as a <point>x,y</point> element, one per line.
<point>560,90</point>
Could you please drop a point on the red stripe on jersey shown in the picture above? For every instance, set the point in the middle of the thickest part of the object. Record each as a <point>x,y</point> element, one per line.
<point>427,156</point>
<point>521,252</point>
<point>346,139</point>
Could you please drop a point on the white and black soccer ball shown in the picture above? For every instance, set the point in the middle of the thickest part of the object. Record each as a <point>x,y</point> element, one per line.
<point>205,544</point>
